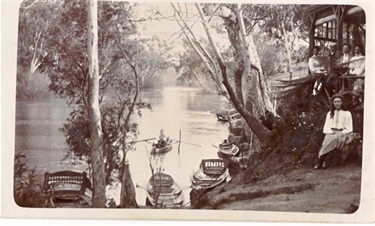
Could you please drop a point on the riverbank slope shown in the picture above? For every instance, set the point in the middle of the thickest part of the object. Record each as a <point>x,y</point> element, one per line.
<point>334,190</point>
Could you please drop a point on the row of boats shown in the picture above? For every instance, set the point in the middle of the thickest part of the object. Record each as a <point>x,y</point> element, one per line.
<point>72,189</point>
<point>164,192</point>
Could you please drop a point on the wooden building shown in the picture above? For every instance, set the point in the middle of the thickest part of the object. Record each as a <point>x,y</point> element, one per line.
<point>337,24</point>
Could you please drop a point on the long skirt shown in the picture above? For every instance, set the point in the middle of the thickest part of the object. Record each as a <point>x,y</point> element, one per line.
<point>333,141</point>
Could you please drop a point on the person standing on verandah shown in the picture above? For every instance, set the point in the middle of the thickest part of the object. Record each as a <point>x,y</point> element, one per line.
<point>357,68</point>
<point>319,67</point>
<point>337,128</point>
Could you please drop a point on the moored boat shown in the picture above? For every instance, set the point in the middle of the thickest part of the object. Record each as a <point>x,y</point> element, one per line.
<point>67,189</point>
<point>222,117</point>
<point>211,173</point>
<point>226,115</point>
<point>227,149</point>
<point>163,192</point>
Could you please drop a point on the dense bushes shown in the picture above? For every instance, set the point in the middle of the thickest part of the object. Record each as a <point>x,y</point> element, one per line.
<point>26,189</point>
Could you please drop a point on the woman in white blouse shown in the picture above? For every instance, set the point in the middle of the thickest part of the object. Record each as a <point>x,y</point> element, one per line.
<point>338,129</point>
<point>319,67</point>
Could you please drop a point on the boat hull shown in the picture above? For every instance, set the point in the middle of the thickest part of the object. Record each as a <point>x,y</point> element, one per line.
<point>228,152</point>
<point>222,118</point>
<point>201,181</point>
<point>67,189</point>
<point>164,194</point>
<point>162,150</point>
<point>211,173</point>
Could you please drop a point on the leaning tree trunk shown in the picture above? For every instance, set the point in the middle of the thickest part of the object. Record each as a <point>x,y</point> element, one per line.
<point>254,123</point>
<point>127,195</point>
<point>256,94</point>
<point>235,40</point>
<point>96,137</point>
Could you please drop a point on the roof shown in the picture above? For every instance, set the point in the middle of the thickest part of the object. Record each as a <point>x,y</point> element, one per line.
<point>353,14</point>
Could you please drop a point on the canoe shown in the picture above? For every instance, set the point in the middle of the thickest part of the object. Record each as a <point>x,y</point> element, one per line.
<point>163,192</point>
<point>211,173</point>
<point>67,189</point>
<point>156,149</point>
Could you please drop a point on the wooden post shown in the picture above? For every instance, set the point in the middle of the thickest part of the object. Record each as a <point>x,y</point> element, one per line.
<point>340,27</point>
<point>312,33</point>
<point>179,142</point>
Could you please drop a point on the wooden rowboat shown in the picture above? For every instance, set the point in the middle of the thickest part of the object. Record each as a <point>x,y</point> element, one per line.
<point>227,149</point>
<point>211,173</point>
<point>222,117</point>
<point>163,192</point>
<point>162,147</point>
<point>67,189</point>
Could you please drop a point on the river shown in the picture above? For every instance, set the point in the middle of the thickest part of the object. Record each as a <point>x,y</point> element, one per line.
<point>173,109</point>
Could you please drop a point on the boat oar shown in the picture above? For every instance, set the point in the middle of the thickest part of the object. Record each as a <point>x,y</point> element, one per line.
<point>133,142</point>
<point>187,143</point>
<point>214,146</point>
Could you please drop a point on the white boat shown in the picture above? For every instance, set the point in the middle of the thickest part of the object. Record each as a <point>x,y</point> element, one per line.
<point>227,149</point>
<point>163,192</point>
<point>211,173</point>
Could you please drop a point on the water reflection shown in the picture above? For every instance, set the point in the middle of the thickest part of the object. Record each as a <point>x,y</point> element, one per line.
<point>173,109</point>
<point>176,109</point>
<point>37,135</point>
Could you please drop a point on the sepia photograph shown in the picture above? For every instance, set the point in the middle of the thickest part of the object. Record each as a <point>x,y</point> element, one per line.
<point>189,111</point>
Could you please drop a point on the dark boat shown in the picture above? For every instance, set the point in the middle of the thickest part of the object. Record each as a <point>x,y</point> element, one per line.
<point>211,173</point>
<point>162,147</point>
<point>163,192</point>
<point>226,115</point>
<point>227,149</point>
<point>67,189</point>
<point>222,117</point>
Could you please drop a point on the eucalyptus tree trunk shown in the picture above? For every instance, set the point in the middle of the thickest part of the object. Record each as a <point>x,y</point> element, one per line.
<point>253,122</point>
<point>288,46</point>
<point>96,136</point>
<point>255,89</point>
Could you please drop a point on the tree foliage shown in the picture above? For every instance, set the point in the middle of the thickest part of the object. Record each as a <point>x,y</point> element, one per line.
<point>126,63</point>
<point>36,18</point>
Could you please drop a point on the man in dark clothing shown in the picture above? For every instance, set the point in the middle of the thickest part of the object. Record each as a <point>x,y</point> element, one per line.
<point>334,58</point>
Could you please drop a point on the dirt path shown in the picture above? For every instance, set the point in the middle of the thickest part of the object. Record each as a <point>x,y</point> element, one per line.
<point>335,190</point>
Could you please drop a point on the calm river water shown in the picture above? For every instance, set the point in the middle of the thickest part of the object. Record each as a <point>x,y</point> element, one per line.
<point>173,109</point>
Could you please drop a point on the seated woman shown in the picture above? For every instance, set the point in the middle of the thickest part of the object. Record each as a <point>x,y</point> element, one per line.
<point>357,67</point>
<point>338,129</point>
<point>318,66</point>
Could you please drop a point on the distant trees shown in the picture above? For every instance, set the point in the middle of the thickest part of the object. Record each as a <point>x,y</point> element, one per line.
<point>36,18</point>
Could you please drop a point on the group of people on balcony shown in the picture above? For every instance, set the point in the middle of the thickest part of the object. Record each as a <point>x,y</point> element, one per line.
<point>330,64</point>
